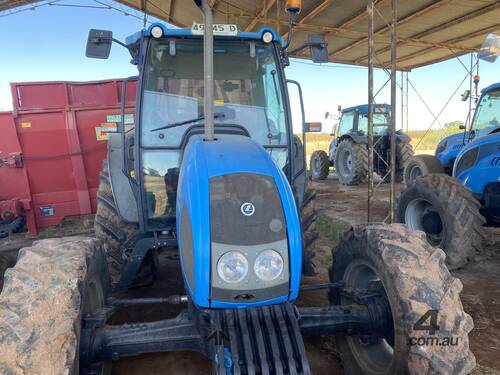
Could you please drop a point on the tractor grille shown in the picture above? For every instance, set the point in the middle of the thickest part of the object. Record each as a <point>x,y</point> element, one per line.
<point>229,225</point>
<point>495,162</point>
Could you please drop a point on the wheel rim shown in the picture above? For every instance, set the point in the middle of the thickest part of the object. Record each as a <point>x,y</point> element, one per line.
<point>420,214</point>
<point>376,357</point>
<point>415,172</point>
<point>345,163</point>
<point>315,166</point>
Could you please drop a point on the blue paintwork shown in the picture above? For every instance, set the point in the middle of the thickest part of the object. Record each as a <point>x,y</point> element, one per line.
<point>492,87</point>
<point>454,143</point>
<point>186,33</point>
<point>363,109</point>
<point>228,155</point>
<point>482,173</point>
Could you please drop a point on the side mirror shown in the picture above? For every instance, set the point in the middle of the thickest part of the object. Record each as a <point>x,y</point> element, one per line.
<point>462,127</point>
<point>319,48</point>
<point>466,95</point>
<point>99,44</point>
<point>313,127</point>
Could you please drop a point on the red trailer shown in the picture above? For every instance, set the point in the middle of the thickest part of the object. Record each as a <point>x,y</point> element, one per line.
<point>51,149</point>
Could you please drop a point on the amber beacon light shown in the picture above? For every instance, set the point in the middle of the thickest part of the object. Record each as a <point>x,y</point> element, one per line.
<point>293,6</point>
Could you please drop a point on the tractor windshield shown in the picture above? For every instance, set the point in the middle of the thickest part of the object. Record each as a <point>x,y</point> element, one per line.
<point>380,123</point>
<point>487,115</point>
<point>248,95</point>
<point>247,86</point>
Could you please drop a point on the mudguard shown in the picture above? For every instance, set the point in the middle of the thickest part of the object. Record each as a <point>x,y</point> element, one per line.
<point>211,172</point>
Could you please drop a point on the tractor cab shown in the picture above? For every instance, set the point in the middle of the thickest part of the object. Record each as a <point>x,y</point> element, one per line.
<point>249,99</point>
<point>354,120</point>
<point>487,116</point>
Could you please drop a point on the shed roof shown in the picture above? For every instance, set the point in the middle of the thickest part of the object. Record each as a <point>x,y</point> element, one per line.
<point>429,31</point>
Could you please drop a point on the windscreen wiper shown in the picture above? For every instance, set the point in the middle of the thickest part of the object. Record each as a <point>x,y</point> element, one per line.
<point>223,114</point>
<point>180,123</point>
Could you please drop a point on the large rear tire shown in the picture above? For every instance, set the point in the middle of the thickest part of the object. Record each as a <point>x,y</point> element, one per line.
<point>53,284</point>
<point>320,165</point>
<point>117,236</point>
<point>308,216</point>
<point>412,275</point>
<point>446,211</point>
<point>351,162</point>
<point>404,155</point>
<point>421,165</point>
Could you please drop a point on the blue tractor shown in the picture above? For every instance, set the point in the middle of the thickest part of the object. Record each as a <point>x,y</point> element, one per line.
<point>349,149</point>
<point>452,195</point>
<point>213,172</point>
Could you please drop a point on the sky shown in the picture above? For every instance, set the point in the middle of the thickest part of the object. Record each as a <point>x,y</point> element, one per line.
<point>48,43</point>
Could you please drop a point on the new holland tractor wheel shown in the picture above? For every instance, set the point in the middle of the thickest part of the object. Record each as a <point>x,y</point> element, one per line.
<point>421,165</point>
<point>53,285</point>
<point>404,156</point>
<point>117,236</point>
<point>401,267</point>
<point>320,165</point>
<point>351,162</point>
<point>446,211</point>
<point>308,216</point>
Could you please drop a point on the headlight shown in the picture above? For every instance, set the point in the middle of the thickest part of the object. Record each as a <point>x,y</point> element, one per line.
<point>267,37</point>
<point>157,32</point>
<point>268,265</point>
<point>232,267</point>
<point>441,147</point>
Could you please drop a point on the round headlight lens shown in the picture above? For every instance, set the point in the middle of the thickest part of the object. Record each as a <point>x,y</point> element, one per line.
<point>268,265</point>
<point>157,32</point>
<point>232,267</point>
<point>267,37</point>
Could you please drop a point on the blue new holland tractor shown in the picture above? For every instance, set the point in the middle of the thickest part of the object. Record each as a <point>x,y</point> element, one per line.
<point>213,171</point>
<point>349,148</point>
<point>450,196</point>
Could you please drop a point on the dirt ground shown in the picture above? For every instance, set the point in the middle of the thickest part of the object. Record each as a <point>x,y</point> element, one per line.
<point>338,207</point>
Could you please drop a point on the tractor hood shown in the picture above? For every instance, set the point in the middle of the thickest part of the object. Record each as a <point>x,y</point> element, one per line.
<point>236,214</point>
<point>478,164</point>
<point>449,147</point>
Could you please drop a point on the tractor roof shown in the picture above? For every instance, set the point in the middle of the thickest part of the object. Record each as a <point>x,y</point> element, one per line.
<point>363,109</point>
<point>187,33</point>
<point>492,87</point>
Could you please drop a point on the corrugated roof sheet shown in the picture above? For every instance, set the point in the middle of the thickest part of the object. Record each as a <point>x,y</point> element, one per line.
<point>429,31</point>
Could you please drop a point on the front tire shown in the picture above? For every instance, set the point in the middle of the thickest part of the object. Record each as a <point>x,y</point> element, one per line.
<point>421,165</point>
<point>446,212</point>
<point>351,162</point>
<point>320,165</point>
<point>413,277</point>
<point>308,216</point>
<point>54,283</point>
<point>117,236</point>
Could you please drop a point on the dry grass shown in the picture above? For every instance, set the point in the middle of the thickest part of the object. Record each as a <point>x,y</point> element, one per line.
<point>421,141</point>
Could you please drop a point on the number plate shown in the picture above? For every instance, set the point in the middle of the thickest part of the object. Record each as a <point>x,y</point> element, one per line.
<point>219,29</point>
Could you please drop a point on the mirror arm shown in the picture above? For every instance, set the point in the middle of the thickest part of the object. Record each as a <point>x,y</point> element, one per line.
<point>100,40</point>
<point>291,18</point>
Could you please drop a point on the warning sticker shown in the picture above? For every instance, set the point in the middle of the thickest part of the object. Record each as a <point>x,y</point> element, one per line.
<point>25,124</point>
<point>102,132</point>
<point>129,118</point>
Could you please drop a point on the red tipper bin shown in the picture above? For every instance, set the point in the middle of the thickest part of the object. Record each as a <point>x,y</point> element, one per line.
<point>52,146</point>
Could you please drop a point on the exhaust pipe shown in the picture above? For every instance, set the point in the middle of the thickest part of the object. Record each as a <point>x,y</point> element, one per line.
<point>208,63</point>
